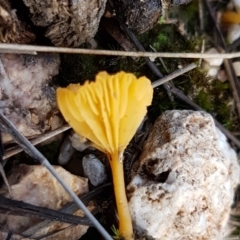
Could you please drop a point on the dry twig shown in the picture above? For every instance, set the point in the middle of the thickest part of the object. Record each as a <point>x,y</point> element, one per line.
<point>11,152</point>
<point>19,208</point>
<point>34,231</point>
<point>173,75</point>
<point>31,49</point>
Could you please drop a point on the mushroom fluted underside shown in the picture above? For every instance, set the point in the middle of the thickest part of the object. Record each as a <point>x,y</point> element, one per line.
<point>108,112</point>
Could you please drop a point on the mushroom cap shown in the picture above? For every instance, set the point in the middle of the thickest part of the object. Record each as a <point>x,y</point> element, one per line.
<point>107,111</point>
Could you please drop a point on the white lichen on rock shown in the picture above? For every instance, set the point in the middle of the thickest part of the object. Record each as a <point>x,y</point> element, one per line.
<point>26,97</point>
<point>184,185</point>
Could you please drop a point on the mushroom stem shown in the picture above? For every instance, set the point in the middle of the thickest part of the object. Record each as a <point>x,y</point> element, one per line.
<point>125,222</point>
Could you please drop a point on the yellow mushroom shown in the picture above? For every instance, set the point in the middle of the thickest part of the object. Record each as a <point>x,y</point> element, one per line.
<point>230,17</point>
<point>108,113</point>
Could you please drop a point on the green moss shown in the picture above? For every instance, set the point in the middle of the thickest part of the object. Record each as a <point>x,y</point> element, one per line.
<point>78,68</point>
<point>127,64</point>
<point>212,95</point>
<point>116,233</point>
<point>204,100</point>
<point>160,104</point>
<point>162,40</point>
<point>167,38</point>
<point>187,14</point>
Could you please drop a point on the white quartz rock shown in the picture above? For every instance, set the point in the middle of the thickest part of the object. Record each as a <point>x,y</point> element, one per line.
<point>213,61</point>
<point>80,143</point>
<point>212,71</point>
<point>222,75</point>
<point>66,151</point>
<point>184,185</point>
<point>236,4</point>
<point>236,67</point>
<point>233,32</point>
<point>94,170</point>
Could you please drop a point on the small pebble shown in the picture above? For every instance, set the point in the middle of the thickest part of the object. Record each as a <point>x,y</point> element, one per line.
<point>34,118</point>
<point>216,62</point>
<point>212,71</point>
<point>233,33</point>
<point>222,76</point>
<point>80,143</point>
<point>66,152</point>
<point>236,66</point>
<point>236,4</point>
<point>94,170</point>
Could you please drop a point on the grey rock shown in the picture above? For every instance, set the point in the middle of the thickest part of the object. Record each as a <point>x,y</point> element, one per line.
<point>94,170</point>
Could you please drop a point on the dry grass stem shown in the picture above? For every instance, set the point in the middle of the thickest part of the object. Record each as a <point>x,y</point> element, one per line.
<point>13,151</point>
<point>200,14</point>
<point>234,82</point>
<point>31,49</point>
<point>173,75</point>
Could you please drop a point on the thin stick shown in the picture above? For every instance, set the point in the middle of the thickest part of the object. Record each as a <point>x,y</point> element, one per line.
<point>33,231</point>
<point>160,59</point>
<point>19,208</point>
<point>31,49</point>
<point>234,83</point>
<point>200,14</point>
<point>202,51</point>
<point>2,172</point>
<point>173,75</point>
<point>35,154</point>
<point>17,51</point>
<point>40,139</point>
